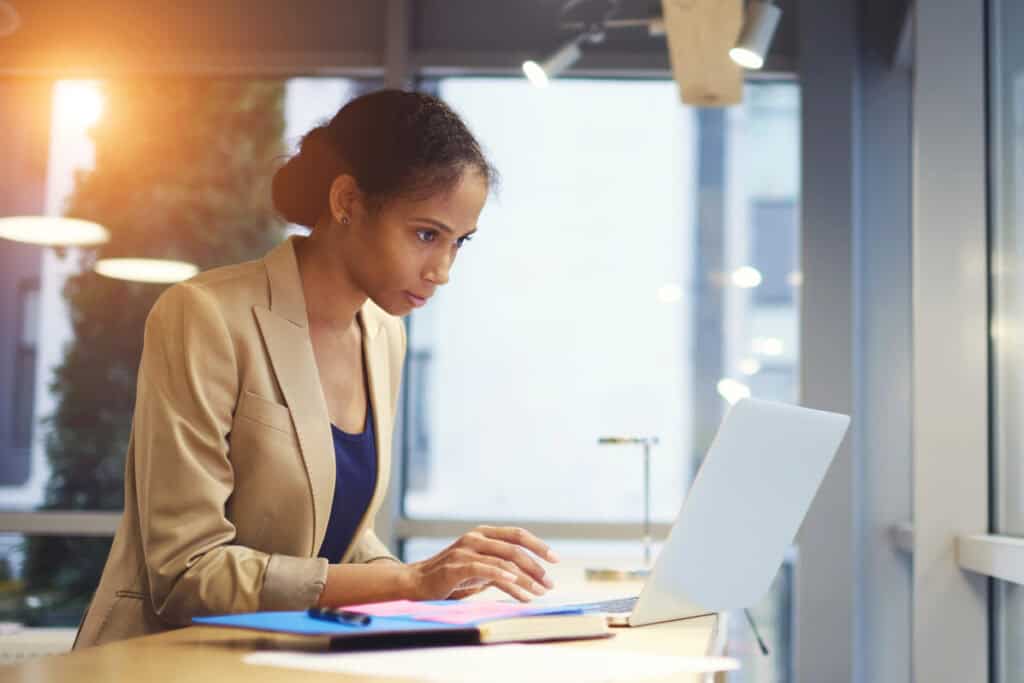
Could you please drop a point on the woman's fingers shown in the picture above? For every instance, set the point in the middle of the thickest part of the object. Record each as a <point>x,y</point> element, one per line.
<point>512,553</point>
<point>469,574</point>
<point>517,536</point>
<point>514,590</point>
<point>489,555</point>
<point>464,592</point>
<point>498,571</point>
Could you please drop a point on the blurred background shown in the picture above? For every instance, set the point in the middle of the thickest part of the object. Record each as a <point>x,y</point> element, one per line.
<point>649,258</point>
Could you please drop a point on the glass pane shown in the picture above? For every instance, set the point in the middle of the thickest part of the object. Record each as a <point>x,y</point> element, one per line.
<point>1006,155</point>
<point>67,358</point>
<point>48,580</point>
<point>637,267</point>
<point>85,155</point>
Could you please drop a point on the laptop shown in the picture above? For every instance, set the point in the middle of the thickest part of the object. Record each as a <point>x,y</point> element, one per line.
<point>742,512</point>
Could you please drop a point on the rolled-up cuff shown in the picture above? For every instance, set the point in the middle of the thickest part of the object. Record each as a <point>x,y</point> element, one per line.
<point>292,583</point>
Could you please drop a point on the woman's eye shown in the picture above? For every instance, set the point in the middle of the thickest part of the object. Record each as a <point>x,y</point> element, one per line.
<point>462,241</point>
<point>426,235</point>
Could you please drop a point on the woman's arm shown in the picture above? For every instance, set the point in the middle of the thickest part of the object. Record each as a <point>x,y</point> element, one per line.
<point>183,477</point>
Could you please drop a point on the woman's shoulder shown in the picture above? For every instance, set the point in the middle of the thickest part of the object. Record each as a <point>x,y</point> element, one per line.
<point>227,292</point>
<point>229,282</point>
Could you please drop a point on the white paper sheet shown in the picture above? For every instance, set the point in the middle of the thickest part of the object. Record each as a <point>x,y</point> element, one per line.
<point>514,662</point>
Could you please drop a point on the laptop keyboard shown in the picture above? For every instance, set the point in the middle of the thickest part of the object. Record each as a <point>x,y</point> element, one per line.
<point>618,606</point>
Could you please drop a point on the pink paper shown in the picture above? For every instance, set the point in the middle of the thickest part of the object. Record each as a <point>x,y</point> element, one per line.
<point>385,609</point>
<point>453,613</point>
<point>471,612</point>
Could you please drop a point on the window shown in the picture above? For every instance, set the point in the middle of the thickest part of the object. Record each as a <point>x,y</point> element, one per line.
<point>636,270</point>
<point>68,358</point>
<point>615,241</point>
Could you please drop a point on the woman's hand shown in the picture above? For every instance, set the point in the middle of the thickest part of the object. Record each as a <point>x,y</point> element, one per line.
<point>486,556</point>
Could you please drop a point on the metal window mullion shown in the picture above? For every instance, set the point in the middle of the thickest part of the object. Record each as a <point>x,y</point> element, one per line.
<point>406,528</point>
<point>950,380</point>
<point>60,523</point>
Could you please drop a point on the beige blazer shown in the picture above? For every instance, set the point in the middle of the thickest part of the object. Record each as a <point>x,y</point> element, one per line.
<point>229,476</point>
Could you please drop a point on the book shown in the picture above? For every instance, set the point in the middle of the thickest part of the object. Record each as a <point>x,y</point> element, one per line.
<point>543,628</point>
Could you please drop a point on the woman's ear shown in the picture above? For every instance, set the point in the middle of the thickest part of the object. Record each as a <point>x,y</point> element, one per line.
<point>343,198</point>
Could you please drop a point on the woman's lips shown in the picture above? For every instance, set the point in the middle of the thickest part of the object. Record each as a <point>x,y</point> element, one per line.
<point>415,300</point>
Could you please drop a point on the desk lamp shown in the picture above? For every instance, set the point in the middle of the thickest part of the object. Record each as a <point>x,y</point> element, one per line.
<point>607,574</point>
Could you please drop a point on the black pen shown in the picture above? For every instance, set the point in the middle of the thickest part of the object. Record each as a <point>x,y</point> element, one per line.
<point>339,615</point>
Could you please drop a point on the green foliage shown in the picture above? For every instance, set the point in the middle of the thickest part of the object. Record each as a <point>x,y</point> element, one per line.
<point>182,170</point>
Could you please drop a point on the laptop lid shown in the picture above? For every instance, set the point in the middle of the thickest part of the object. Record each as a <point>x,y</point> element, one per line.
<point>743,510</point>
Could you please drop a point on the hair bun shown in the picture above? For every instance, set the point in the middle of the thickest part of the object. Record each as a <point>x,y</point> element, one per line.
<point>301,186</point>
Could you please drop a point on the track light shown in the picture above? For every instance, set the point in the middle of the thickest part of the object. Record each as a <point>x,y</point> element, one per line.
<point>762,18</point>
<point>541,74</point>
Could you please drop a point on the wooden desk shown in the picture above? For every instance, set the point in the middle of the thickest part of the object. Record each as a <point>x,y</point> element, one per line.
<point>214,655</point>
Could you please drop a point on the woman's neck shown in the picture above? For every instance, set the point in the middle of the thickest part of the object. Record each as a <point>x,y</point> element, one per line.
<point>332,298</point>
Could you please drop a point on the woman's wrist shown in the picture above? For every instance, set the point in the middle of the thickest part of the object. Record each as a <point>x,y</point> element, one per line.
<point>353,584</point>
<point>408,583</point>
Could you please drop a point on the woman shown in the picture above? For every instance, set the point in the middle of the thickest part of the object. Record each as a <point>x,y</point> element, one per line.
<point>260,445</point>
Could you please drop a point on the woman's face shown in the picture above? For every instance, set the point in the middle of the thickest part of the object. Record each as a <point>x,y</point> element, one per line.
<point>400,254</point>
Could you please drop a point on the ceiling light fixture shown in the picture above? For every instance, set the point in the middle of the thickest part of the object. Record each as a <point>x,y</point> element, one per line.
<point>590,28</point>
<point>155,270</point>
<point>762,17</point>
<point>540,74</point>
<point>53,231</point>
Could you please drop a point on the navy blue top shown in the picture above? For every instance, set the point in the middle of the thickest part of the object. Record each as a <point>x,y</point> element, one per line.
<point>355,457</point>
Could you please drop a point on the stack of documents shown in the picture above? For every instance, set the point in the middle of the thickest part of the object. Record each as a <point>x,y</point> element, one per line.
<point>404,623</point>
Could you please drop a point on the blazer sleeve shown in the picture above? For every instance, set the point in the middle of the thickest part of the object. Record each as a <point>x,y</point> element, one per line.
<point>369,547</point>
<point>186,397</point>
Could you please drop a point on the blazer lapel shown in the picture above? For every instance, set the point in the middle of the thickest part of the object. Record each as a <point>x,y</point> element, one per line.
<point>285,331</point>
<point>376,355</point>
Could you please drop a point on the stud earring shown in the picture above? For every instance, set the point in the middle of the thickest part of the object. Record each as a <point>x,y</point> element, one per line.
<point>344,220</point>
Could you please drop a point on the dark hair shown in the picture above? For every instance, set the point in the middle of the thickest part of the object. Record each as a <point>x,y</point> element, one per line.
<point>393,142</point>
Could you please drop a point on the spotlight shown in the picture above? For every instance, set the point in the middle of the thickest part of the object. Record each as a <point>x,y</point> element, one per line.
<point>541,74</point>
<point>762,18</point>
